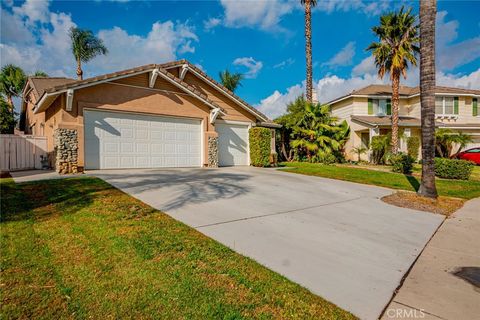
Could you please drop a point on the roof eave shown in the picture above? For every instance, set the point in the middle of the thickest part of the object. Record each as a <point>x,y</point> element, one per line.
<point>227,94</point>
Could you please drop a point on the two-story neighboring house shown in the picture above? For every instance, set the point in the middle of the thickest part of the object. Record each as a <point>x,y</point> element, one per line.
<point>368,112</point>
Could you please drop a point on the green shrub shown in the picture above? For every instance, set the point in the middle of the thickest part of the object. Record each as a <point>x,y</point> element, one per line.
<point>380,147</point>
<point>402,163</point>
<point>260,150</point>
<point>413,143</point>
<point>325,158</point>
<point>453,168</point>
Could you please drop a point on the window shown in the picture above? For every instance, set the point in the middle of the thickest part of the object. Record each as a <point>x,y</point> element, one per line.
<point>444,105</point>
<point>380,107</point>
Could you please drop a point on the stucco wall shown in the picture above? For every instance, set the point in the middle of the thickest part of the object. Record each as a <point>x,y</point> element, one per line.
<point>133,95</point>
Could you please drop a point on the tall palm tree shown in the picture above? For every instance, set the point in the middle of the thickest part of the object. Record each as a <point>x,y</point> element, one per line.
<point>398,35</point>
<point>231,80</point>
<point>85,47</point>
<point>428,11</point>
<point>12,81</point>
<point>308,44</point>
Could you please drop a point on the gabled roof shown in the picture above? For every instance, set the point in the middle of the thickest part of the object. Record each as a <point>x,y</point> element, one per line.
<point>40,84</point>
<point>62,87</point>
<point>217,84</point>
<point>405,92</point>
<point>51,93</point>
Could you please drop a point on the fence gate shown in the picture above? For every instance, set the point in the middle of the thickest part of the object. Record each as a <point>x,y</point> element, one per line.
<point>21,152</point>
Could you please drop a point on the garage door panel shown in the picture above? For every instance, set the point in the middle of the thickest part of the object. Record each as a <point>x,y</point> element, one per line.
<point>116,140</point>
<point>232,144</point>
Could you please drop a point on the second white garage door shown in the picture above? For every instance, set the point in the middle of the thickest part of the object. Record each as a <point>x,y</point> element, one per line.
<point>232,144</point>
<point>122,140</point>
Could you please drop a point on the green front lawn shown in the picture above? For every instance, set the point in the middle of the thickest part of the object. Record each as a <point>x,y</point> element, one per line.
<point>79,248</point>
<point>451,188</point>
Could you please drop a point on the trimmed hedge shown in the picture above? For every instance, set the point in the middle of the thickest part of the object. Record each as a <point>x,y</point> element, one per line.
<point>413,144</point>
<point>260,150</point>
<point>453,168</point>
<point>402,163</point>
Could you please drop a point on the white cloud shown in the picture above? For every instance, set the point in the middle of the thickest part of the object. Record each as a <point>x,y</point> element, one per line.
<point>253,67</point>
<point>34,10</point>
<point>451,55</point>
<point>13,29</point>
<point>211,23</point>
<point>45,44</point>
<point>263,14</point>
<point>468,81</point>
<point>342,58</point>
<point>276,104</point>
<point>368,7</point>
<point>367,65</point>
<point>161,44</point>
<point>284,63</point>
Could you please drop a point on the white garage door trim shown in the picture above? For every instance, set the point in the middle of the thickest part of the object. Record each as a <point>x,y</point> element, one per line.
<point>192,156</point>
<point>248,125</point>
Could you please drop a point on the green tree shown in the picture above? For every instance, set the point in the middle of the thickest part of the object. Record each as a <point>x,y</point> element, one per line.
<point>40,73</point>
<point>396,49</point>
<point>231,80</point>
<point>308,45</point>
<point>316,136</point>
<point>85,47</point>
<point>446,139</point>
<point>7,118</point>
<point>288,121</point>
<point>12,81</point>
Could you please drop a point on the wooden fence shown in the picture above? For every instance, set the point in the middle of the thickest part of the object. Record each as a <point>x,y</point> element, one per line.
<point>21,152</point>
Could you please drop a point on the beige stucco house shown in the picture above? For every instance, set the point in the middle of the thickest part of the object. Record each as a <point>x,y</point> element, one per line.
<point>368,110</point>
<point>156,115</point>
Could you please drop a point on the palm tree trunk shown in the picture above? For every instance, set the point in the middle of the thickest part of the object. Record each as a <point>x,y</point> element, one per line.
<point>308,48</point>
<point>428,10</point>
<point>79,70</point>
<point>10,102</point>
<point>395,103</point>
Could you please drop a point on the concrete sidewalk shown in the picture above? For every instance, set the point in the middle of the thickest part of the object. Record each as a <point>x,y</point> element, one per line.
<point>444,282</point>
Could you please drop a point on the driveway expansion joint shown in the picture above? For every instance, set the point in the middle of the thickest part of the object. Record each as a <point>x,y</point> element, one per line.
<point>276,213</point>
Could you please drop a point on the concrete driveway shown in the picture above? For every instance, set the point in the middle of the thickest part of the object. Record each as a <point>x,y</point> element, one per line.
<point>335,238</point>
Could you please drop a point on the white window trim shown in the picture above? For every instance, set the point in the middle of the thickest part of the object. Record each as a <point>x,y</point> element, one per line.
<point>443,114</point>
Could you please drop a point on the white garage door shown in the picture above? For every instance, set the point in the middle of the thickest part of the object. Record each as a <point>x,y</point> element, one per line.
<point>122,140</point>
<point>232,144</point>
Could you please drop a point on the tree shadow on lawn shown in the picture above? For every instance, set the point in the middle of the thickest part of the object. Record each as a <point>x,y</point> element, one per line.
<point>413,181</point>
<point>44,199</point>
<point>41,200</point>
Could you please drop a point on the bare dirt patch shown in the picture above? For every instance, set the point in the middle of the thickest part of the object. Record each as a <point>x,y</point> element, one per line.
<point>441,205</point>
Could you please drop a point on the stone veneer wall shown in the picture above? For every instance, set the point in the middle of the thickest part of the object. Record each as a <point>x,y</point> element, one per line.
<point>66,148</point>
<point>212,152</point>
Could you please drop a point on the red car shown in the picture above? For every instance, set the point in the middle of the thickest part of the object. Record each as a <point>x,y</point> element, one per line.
<point>470,155</point>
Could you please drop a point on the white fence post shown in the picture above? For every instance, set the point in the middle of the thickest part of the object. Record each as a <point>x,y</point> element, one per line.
<point>21,152</point>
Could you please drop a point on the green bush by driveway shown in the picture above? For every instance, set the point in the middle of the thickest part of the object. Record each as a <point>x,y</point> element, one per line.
<point>260,148</point>
<point>79,248</point>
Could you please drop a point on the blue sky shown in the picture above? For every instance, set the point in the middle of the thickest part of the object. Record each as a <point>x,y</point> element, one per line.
<point>262,39</point>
